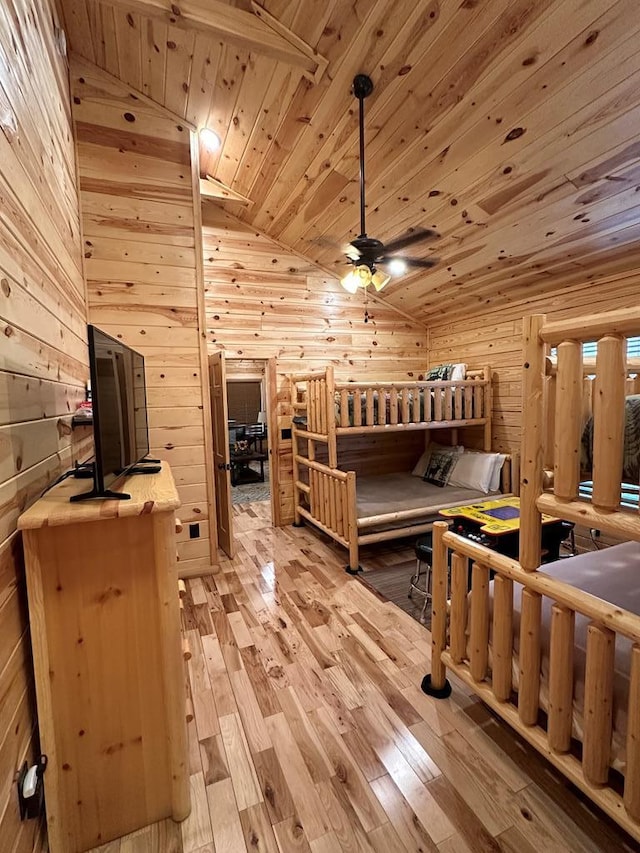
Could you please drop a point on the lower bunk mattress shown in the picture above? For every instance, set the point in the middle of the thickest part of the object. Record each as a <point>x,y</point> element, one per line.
<point>384,494</point>
<point>613,575</point>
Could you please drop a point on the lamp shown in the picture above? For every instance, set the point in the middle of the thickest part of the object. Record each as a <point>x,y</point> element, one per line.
<point>362,276</point>
<point>210,139</point>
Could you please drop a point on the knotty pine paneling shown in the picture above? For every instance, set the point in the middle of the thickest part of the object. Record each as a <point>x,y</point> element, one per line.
<point>511,127</point>
<point>263,302</point>
<point>495,337</point>
<point>140,249</point>
<point>43,354</point>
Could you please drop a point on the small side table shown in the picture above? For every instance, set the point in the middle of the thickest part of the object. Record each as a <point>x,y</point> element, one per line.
<point>240,467</point>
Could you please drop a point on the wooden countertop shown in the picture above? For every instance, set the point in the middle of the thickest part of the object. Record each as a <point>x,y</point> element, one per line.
<point>149,493</point>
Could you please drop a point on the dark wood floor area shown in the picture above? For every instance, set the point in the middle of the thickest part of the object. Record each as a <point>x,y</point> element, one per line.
<point>310,732</point>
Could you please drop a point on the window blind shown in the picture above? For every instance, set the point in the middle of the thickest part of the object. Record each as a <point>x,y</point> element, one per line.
<point>589,349</point>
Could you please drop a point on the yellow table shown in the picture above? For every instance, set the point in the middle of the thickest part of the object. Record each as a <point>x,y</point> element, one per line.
<point>495,516</point>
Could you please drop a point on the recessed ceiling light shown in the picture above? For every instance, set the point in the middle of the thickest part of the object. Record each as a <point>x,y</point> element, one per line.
<point>397,266</point>
<point>210,139</point>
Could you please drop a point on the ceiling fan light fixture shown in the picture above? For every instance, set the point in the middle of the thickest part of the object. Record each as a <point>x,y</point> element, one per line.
<point>379,279</point>
<point>361,276</point>
<point>397,266</point>
<point>210,139</point>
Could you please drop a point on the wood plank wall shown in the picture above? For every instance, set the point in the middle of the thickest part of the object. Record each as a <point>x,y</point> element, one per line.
<point>494,336</point>
<point>43,354</point>
<point>264,302</point>
<point>141,245</point>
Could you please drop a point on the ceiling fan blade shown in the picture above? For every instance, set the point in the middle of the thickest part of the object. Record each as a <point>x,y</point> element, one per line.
<point>416,263</point>
<point>409,239</point>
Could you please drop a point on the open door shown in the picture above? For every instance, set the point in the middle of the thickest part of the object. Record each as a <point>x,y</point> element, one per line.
<point>221,459</point>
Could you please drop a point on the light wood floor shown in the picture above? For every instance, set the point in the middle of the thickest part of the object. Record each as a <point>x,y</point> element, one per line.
<point>310,732</point>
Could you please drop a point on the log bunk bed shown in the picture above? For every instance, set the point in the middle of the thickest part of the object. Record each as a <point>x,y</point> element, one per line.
<point>325,410</point>
<point>556,653</point>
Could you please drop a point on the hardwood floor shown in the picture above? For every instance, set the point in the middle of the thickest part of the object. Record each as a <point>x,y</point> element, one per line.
<point>310,732</point>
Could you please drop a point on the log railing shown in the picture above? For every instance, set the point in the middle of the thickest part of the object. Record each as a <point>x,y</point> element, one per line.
<point>557,399</point>
<point>331,498</point>
<point>489,618</point>
<point>373,406</point>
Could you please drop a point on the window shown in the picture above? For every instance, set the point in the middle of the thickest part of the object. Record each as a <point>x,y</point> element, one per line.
<point>633,348</point>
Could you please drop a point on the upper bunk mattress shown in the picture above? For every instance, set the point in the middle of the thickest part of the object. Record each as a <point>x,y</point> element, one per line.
<point>387,493</point>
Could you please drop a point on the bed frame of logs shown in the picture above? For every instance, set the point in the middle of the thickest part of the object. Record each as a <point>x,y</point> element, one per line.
<point>326,495</point>
<point>453,609</point>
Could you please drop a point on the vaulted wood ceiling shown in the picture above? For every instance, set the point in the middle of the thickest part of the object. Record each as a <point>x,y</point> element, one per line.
<point>510,126</point>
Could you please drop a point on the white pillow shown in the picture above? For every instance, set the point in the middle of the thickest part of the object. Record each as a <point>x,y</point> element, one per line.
<point>422,464</point>
<point>494,485</point>
<point>459,371</point>
<point>474,471</point>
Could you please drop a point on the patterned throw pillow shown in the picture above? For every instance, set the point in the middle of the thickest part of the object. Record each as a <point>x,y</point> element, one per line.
<point>440,467</point>
<point>439,373</point>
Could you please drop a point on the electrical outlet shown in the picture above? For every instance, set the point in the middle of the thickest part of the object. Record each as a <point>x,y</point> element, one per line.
<point>595,532</point>
<point>194,531</point>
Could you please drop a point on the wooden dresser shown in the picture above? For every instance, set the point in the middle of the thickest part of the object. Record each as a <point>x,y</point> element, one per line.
<point>105,629</point>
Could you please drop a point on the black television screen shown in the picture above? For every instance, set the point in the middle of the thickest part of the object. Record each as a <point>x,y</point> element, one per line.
<point>118,394</point>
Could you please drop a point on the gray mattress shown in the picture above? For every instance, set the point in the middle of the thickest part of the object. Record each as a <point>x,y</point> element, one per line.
<point>612,575</point>
<point>385,493</point>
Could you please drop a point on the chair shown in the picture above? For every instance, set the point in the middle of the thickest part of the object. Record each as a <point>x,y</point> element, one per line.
<point>255,434</point>
<point>424,556</point>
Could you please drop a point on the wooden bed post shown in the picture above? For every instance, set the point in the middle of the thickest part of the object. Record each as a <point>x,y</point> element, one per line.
<point>332,444</point>
<point>352,525</point>
<point>293,395</point>
<point>436,684</point>
<point>488,409</point>
<point>533,373</point>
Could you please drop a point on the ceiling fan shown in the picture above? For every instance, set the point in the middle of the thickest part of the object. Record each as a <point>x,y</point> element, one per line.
<point>366,253</point>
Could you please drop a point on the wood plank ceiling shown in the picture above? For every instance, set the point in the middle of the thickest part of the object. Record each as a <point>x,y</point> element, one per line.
<point>512,127</point>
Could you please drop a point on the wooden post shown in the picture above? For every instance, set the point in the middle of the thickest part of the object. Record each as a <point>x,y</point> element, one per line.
<point>322,404</point>
<point>295,450</point>
<point>549,398</point>
<point>357,407</point>
<point>608,422</point>
<point>532,450</point>
<point>568,421</point>
<point>439,606</point>
<point>393,405</point>
<point>561,678</point>
<point>479,656</point>
<point>352,523</point>
<point>405,416</point>
<point>632,770</point>
<point>369,407</point>
<point>468,402</point>
<point>437,402</point>
<point>344,408</point>
<point>332,444</point>
<point>448,403</point>
<point>598,701</point>
<point>458,620</point>
<point>502,637</point>
<point>457,403</point>
<point>488,408</point>
<point>529,657</point>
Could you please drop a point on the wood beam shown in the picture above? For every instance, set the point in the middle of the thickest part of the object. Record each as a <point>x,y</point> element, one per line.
<point>78,62</point>
<point>213,188</point>
<point>236,26</point>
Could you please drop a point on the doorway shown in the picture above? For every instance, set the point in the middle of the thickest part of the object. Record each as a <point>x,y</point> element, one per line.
<point>248,432</point>
<point>244,435</point>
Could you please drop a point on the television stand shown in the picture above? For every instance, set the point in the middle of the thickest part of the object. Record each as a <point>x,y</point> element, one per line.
<point>107,494</point>
<point>105,628</point>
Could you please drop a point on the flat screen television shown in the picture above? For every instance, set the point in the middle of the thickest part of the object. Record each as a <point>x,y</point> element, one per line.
<point>119,402</point>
